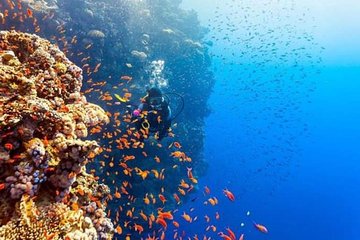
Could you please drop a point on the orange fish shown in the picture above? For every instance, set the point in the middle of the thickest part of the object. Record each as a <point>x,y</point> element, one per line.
<point>189,173</point>
<point>224,236</point>
<point>97,67</point>
<point>123,190</point>
<point>29,13</point>
<point>207,190</point>
<point>138,228</point>
<point>178,154</point>
<point>146,199</point>
<point>231,234</point>
<point>176,197</point>
<point>152,217</point>
<point>157,159</point>
<point>126,78</point>
<point>229,195</point>
<point>186,217</point>
<point>260,227</point>
<point>118,230</point>
<point>162,237</point>
<point>176,224</point>
<point>181,191</point>
<point>162,222</point>
<point>2,186</point>
<point>155,172</point>
<point>159,119</point>
<point>177,144</point>
<point>129,213</point>
<point>129,157</point>
<point>183,184</point>
<point>142,173</point>
<point>143,216</point>
<point>194,180</point>
<point>117,194</point>
<point>166,215</point>
<point>162,198</point>
<point>213,201</point>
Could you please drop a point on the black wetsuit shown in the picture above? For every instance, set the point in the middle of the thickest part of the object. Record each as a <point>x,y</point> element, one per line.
<point>159,119</point>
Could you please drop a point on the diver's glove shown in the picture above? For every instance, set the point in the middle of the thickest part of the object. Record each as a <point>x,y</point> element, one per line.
<point>136,112</point>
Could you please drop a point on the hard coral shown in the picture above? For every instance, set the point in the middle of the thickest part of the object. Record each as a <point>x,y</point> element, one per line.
<point>43,118</point>
<point>48,221</point>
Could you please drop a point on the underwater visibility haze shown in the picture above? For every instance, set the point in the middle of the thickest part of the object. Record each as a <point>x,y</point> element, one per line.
<point>160,119</point>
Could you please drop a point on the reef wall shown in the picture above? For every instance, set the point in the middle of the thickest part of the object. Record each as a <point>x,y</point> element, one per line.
<point>45,190</point>
<point>120,45</point>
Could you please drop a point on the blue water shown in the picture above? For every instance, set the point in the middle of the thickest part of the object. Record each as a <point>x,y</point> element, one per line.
<point>291,154</point>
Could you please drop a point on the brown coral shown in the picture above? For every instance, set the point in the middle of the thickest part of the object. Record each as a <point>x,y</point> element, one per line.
<point>43,118</point>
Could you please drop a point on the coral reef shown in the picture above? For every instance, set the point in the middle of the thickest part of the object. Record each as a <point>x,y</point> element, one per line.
<point>45,190</point>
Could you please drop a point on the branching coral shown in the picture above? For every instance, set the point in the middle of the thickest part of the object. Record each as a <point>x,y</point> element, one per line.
<point>43,118</point>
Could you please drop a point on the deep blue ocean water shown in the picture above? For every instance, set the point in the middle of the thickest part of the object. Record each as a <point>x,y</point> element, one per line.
<point>289,154</point>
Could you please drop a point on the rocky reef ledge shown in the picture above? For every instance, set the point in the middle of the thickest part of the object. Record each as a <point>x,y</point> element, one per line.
<point>45,192</point>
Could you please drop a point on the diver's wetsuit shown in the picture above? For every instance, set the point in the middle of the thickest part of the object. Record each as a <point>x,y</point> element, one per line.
<point>159,118</point>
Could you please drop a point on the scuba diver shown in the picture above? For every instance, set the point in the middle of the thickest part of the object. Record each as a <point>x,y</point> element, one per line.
<point>153,114</point>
